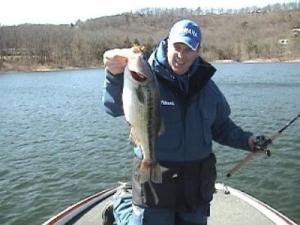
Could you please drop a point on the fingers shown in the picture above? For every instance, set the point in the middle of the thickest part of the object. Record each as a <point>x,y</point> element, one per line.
<point>123,52</point>
<point>116,65</point>
<point>115,60</point>
<point>117,54</point>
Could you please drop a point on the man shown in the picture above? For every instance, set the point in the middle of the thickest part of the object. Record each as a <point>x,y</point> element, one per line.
<point>194,112</point>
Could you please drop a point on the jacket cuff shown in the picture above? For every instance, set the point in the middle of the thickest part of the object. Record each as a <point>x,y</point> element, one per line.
<point>246,145</point>
<point>111,77</point>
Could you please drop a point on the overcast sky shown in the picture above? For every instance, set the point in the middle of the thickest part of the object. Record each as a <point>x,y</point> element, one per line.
<point>13,12</point>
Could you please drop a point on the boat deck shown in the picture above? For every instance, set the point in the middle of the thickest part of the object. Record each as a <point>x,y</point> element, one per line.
<point>229,207</point>
<point>226,209</point>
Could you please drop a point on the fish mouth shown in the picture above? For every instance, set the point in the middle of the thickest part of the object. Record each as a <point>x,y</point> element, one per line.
<point>138,76</point>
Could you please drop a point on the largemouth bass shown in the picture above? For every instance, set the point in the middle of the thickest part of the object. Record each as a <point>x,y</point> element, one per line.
<point>141,103</point>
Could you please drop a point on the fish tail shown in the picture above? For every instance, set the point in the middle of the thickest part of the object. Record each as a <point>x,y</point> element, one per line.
<point>150,171</point>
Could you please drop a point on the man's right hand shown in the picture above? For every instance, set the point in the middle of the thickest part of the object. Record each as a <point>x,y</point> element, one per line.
<point>259,143</point>
<point>115,60</point>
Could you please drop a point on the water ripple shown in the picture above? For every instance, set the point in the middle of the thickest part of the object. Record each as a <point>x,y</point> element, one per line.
<point>58,146</point>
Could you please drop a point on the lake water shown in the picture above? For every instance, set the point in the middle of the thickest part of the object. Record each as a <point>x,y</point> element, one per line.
<point>57,146</point>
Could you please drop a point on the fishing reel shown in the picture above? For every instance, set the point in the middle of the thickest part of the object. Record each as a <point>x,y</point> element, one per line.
<point>261,143</point>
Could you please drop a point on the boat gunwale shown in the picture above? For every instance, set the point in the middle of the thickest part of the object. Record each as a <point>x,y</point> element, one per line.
<point>74,212</point>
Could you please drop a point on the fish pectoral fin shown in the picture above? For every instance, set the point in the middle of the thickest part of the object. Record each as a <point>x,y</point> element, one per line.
<point>163,169</point>
<point>133,137</point>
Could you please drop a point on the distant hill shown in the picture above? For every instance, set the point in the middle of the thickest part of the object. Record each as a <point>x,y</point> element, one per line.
<point>268,33</point>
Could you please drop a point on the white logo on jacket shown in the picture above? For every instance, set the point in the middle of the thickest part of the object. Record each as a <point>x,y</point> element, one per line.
<point>165,102</point>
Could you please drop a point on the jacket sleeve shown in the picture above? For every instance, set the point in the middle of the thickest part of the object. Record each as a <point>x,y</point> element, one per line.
<point>112,94</point>
<point>225,131</point>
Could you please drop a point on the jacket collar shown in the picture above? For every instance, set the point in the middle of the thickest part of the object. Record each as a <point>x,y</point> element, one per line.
<point>200,72</point>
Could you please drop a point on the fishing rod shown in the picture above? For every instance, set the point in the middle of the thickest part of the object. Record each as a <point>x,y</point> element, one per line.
<point>262,147</point>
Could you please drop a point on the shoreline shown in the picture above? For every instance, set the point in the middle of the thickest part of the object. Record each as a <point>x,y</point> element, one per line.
<point>10,67</point>
<point>253,61</point>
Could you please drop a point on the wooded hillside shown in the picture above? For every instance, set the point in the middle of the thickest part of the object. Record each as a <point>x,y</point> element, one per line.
<point>269,33</point>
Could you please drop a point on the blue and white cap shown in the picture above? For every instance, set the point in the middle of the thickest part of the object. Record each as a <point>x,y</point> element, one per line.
<point>187,32</point>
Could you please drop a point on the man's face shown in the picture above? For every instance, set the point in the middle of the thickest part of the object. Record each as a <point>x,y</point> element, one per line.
<point>180,57</point>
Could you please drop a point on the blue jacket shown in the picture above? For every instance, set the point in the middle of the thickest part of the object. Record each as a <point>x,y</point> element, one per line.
<point>191,119</point>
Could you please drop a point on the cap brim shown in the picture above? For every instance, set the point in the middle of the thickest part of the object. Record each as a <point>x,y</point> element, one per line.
<point>184,40</point>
